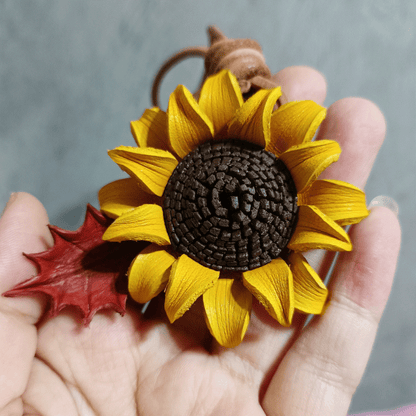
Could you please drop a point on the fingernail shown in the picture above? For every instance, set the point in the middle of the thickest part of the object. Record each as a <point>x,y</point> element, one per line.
<point>385,201</point>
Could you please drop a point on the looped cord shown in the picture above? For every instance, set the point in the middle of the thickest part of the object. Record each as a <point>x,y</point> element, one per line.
<point>191,52</point>
<point>243,57</point>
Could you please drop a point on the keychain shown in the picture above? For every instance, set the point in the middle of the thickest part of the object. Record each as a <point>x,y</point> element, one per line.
<point>221,199</point>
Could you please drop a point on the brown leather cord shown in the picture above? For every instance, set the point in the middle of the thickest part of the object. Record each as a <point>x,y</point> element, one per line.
<point>192,52</point>
<point>243,57</point>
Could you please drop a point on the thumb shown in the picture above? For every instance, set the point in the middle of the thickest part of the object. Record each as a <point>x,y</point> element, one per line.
<point>22,229</point>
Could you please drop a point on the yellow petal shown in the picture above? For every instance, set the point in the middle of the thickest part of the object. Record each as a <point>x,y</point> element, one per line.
<point>151,130</point>
<point>149,273</point>
<point>310,291</point>
<point>220,98</point>
<point>294,123</point>
<point>315,230</point>
<point>188,280</point>
<point>151,167</point>
<point>123,195</point>
<point>227,311</point>
<point>342,202</point>
<point>187,123</point>
<point>272,285</point>
<point>307,161</point>
<point>252,121</point>
<point>144,223</point>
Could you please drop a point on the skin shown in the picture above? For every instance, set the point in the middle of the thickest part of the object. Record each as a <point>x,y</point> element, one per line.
<point>141,365</point>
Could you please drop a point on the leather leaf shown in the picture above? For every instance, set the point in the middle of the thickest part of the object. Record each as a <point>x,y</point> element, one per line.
<point>81,269</point>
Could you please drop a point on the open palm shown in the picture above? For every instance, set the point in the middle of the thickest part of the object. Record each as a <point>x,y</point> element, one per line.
<point>141,365</point>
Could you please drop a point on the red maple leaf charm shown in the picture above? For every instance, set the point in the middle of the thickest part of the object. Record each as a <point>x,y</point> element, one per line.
<point>81,269</point>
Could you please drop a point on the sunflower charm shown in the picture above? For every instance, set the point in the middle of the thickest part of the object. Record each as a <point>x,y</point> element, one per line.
<point>226,192</point>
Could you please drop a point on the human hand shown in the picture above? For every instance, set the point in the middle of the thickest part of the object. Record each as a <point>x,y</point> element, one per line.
<point>140,364</point>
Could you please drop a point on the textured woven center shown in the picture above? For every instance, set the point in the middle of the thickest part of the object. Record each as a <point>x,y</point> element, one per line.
<point>230,205</point>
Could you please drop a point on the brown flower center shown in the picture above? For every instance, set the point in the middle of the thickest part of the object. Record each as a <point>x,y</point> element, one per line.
<point>230,205</point>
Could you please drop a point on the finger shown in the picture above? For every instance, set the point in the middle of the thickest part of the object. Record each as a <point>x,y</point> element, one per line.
<point>301,83</point>
<point>266,340</point>
<point>22,228</point>
<point>359,127</point>
<point>320,373</point>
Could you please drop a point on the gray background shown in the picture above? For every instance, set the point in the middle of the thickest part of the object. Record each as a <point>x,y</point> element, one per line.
<point>74,73</point>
